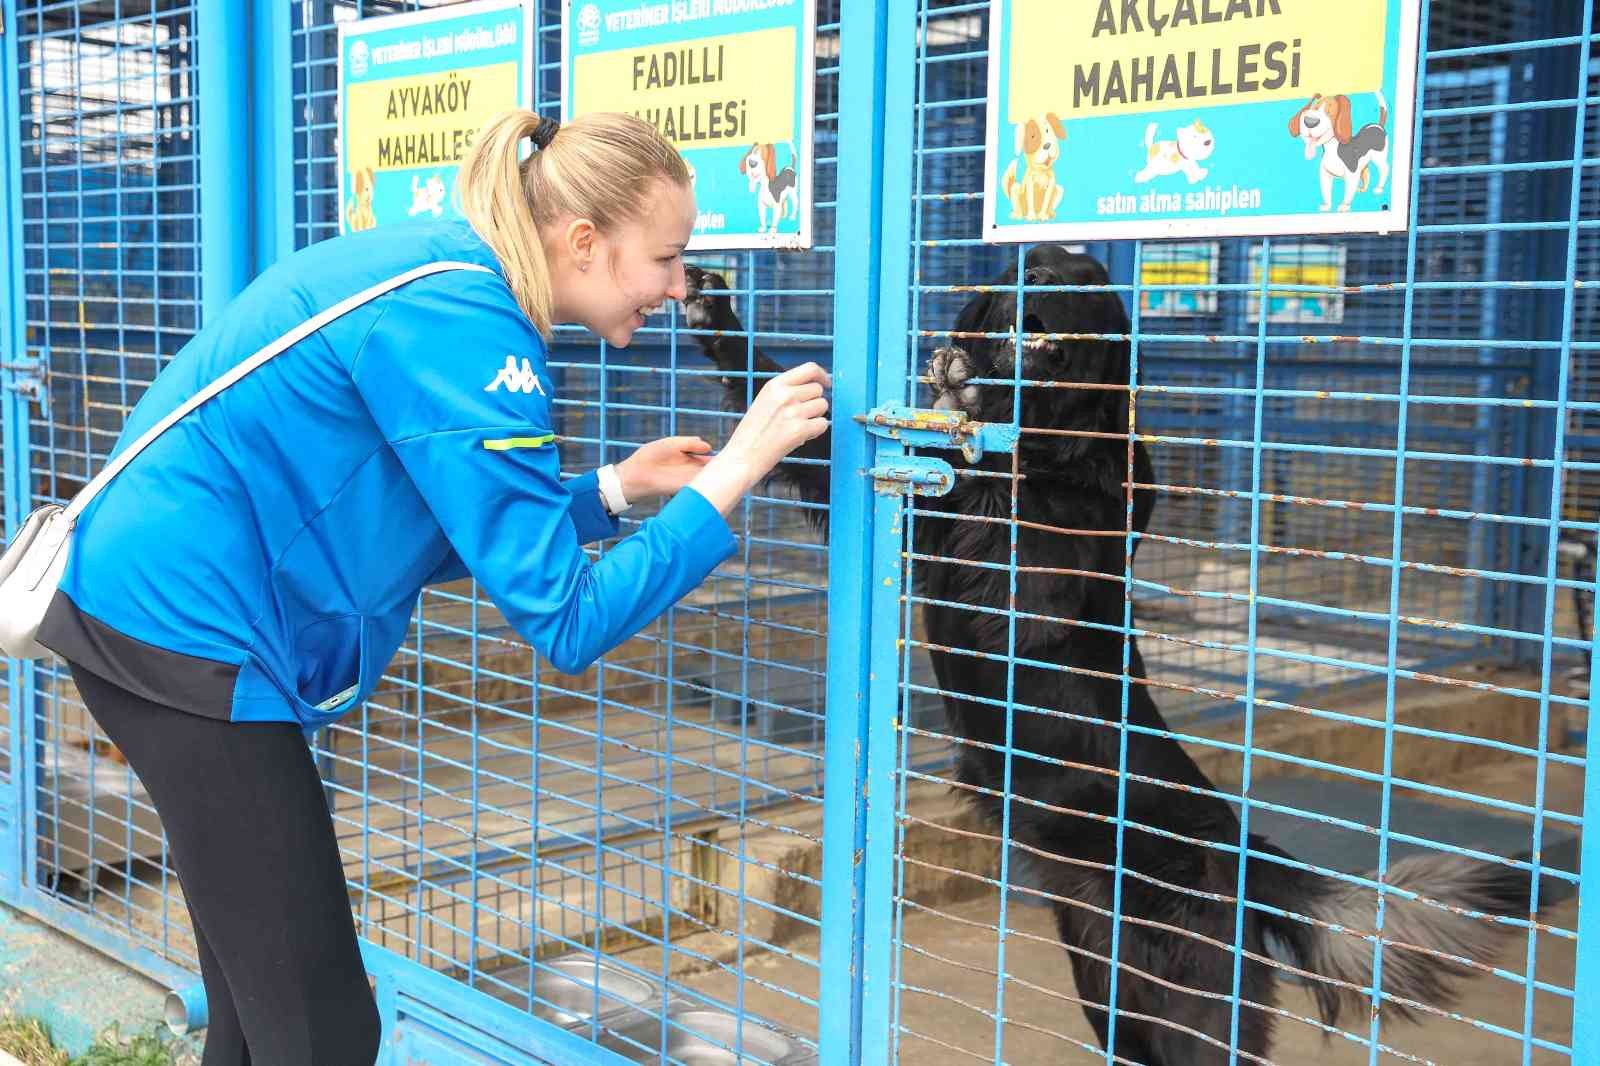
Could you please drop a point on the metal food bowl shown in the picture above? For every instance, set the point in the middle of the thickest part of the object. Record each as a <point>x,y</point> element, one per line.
<point>565,991</point>
<point>707,1038</point>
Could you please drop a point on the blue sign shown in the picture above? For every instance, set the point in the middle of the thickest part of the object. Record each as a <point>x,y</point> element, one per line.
<point>729,82</point>
<point>414,90</point>
<point>1198,118</point>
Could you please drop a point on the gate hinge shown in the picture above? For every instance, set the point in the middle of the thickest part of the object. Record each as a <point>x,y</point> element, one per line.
<point>25,377</point>
<point>918,427</point>
<point>918,475</point>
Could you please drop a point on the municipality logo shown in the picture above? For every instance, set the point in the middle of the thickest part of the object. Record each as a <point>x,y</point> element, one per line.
<point>516,378</point>
<point>358,59</point>
<point>589,24</point>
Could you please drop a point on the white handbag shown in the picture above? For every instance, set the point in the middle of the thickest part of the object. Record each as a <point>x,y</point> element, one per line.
<point>32,564</point>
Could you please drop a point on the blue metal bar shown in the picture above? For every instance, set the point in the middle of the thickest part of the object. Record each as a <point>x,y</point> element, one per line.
<point>1252,624</point>
<point>16,834</point>
<point>896,39</point>
<point>272,132</point>
<point>1586,978</point>
<point>864,230</point>
<point>223,28</point>
<point>1557,483</point>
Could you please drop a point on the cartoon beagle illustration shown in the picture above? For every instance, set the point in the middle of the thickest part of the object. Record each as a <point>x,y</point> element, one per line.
<point>777,191</point>
<point>1324,123</point>
<point>358,212</point>
<point>1035,195</point>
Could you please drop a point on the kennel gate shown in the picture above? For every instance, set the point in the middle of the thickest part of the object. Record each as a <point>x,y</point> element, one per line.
<point>509,831</point>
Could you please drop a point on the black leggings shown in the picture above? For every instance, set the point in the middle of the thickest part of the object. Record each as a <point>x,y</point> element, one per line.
<point>253,846</point>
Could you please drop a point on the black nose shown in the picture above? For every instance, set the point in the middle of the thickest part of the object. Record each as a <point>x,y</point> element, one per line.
<point>1038,276</point>
<point>1310,121</point>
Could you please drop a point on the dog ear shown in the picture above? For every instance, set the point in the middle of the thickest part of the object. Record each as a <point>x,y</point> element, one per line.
<point>1294,123</point>
<point>972,318</point>
<point>1339,106</point>
<point>769,154</point>
<point>1055,124</point>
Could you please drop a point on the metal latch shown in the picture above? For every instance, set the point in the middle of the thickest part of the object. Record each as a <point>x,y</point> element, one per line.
<point>26,378</point>
<point>919,475</point>
<point>918,427</point>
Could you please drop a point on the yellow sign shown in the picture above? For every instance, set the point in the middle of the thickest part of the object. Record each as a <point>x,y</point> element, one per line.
<point>736,89</point>
<point>425,120</point>
<point>1083,58</point>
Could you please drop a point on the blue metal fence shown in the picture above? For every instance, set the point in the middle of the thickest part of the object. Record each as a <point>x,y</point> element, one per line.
<point>1347,600</point>
<point>1362,602</point>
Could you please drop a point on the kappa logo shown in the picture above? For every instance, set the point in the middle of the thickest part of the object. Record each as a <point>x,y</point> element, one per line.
<point>588,24</point>
<point>516,377</point>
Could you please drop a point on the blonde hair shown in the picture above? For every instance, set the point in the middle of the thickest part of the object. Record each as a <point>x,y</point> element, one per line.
<point>598,166</point>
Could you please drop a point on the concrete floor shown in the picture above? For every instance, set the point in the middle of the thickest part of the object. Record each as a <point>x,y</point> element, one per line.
<point>949,963</point>
<point>947,1009</point>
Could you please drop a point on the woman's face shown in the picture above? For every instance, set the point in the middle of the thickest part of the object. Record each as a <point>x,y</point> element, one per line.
<point>636,267</point>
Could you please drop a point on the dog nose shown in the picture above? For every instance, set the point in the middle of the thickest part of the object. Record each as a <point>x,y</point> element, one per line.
<point>1310,121</point>
<point>1037,276</point>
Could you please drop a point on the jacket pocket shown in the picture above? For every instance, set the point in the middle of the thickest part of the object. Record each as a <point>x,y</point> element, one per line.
<point>331,653</point>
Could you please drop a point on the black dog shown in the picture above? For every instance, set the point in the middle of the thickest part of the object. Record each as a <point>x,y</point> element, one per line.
<point>1175,984</point>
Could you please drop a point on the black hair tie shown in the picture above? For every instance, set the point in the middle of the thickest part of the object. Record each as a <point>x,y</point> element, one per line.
<point>544,133</point>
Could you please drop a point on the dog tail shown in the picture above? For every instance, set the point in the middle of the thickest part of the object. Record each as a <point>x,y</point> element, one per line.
<point>1150,135</point>
<point>1009,182</point>
<point>1446,914</point>
<point>1383,110</point>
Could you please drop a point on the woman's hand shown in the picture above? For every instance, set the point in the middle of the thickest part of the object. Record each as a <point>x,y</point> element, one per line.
<point>788,411</point>
<point>662,467</point>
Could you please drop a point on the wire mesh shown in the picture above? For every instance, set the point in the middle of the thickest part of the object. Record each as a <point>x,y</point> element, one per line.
<point>622,852</point>
<point>1360,603</point>
<point>1352,603</point>
<point>108,140</point>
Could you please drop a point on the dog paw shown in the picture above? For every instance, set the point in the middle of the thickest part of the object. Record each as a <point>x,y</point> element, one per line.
<point>706,304</point>
<point>949,370</point>
<point>1344,207</point>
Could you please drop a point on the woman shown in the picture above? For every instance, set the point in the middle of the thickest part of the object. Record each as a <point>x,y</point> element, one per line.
<point>248,575</point>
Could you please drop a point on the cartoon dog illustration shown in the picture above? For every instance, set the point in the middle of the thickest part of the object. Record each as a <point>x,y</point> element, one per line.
<point>1193,145</point>
<point>1036,195</point>
<point>1325,123</point>
<point>358,212</point>
<point>776,190</point>
<point>427,198</point>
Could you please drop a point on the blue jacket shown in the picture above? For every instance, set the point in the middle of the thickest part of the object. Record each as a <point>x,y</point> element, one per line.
<point>274,541</point>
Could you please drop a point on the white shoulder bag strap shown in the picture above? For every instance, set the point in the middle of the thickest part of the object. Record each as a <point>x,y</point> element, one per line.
<point>32,564</point>
<point>277,347</point>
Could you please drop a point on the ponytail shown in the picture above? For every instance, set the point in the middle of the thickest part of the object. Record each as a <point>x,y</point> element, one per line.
<point>510,201</point>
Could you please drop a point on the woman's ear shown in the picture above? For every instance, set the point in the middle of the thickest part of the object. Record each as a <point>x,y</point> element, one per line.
<point>579,242</point>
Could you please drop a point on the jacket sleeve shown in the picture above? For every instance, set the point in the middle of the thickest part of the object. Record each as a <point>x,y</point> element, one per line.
<point>470,423</point>
<point>589,516</point>
<point>589,512</point>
